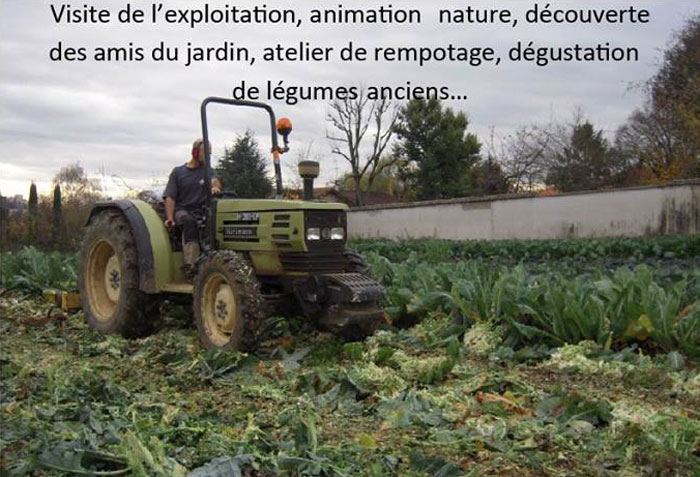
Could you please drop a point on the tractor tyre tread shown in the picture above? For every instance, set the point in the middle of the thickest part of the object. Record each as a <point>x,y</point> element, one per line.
<point>132,316</point>
<point>239,272</point>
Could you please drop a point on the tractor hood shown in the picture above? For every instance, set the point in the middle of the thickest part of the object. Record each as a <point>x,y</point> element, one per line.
<point>260,205</point>
<point>288,237</point>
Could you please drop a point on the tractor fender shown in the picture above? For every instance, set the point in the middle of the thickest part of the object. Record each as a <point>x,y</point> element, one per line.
<point>149,235</point>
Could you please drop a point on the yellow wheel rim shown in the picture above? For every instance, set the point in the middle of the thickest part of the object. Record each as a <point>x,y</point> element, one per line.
<point>103,280</point>
<point>219,309</point>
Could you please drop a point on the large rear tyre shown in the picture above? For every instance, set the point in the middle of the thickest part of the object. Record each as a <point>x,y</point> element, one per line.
<point>228,305</point>
<point>109,279</point>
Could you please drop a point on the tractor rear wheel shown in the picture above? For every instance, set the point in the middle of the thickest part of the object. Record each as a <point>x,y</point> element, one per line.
<point>228,305</point>
<point>109,279</point>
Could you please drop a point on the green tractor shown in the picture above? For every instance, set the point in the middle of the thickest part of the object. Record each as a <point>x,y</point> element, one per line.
<point>259,256</point>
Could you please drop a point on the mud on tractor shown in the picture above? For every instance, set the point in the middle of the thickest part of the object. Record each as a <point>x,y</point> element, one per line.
<point>259,256</point>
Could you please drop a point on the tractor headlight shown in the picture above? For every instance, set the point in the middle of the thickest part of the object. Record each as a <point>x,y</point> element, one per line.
<point>337,233</point>
<point>314,233</point>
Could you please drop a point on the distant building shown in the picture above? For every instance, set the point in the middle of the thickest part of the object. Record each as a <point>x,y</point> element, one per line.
<point>332,194</point>
<point>14,204</point>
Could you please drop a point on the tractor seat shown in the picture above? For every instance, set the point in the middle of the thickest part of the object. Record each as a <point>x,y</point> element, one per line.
<point>158,204</point>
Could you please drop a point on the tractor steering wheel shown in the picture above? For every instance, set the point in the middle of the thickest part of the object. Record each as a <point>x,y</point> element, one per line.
<point>226,194</point>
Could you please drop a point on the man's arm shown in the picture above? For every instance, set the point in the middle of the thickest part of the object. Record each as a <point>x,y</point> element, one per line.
<point>169,196</point>
<point>169,212</point>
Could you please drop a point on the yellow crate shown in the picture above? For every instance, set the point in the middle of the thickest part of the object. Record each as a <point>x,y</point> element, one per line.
<point>65,300</point>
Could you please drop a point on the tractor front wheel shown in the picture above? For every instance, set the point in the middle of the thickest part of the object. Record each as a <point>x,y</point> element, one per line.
<point>109,279</point>
<point>228,306</point>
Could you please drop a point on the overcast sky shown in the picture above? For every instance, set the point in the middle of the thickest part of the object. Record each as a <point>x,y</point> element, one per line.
<point>137,120</point>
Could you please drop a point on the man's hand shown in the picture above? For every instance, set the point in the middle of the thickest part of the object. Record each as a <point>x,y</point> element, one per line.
<point>215,186</point>
<point>169,223</point>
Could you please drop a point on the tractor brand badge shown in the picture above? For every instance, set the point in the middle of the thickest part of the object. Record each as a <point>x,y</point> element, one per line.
<point>231,232</point>
<point>247,217</point>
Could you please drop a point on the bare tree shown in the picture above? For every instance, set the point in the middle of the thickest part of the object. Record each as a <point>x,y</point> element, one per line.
<point>522,156</point>
<point>75,183</point>
<point>663,136</point>
<point>565,154</point>
<point>651,138</point>
<point>353,120</point>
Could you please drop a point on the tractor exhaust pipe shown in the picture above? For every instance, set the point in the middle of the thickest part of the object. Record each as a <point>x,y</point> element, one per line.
<point>308,170</point>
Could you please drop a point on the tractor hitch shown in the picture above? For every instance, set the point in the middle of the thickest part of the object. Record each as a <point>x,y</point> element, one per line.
<point>342,301</point>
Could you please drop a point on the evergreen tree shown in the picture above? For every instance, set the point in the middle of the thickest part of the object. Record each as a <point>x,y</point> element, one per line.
<point>57,215</point>
<point>488,178</point>
<point>438,150</point>
<point>33,203</point>
<point>32,208</point>
<point>243,169</point>
<point>583,162</point>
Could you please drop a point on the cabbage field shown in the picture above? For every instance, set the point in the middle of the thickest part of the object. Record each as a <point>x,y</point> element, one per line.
<point>543,358</point>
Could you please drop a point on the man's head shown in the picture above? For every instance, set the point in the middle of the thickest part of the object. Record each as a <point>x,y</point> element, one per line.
<point>198,150</point>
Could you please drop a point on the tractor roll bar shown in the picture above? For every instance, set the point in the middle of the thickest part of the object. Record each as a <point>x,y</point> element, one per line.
<point>251,104</point>
<point>276,151</point>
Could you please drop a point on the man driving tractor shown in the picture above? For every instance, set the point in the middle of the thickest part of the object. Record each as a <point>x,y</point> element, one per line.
<point>185,197</point>
<point>263,255</point>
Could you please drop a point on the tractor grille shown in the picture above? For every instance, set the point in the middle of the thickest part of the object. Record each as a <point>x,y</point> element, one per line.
<point>317,261</point>
<point>325,219</point>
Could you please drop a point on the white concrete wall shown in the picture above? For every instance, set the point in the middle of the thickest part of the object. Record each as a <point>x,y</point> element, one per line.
<point>635,212</point>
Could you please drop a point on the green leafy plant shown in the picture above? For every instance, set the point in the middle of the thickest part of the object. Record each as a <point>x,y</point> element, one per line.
<point>547,305</point>
<point>33,271</point>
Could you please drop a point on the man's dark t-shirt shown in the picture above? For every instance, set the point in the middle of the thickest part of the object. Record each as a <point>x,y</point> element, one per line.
<point>188,188</point>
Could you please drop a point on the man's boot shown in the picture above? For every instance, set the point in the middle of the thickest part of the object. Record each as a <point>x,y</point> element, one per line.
<point>190,252</point>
